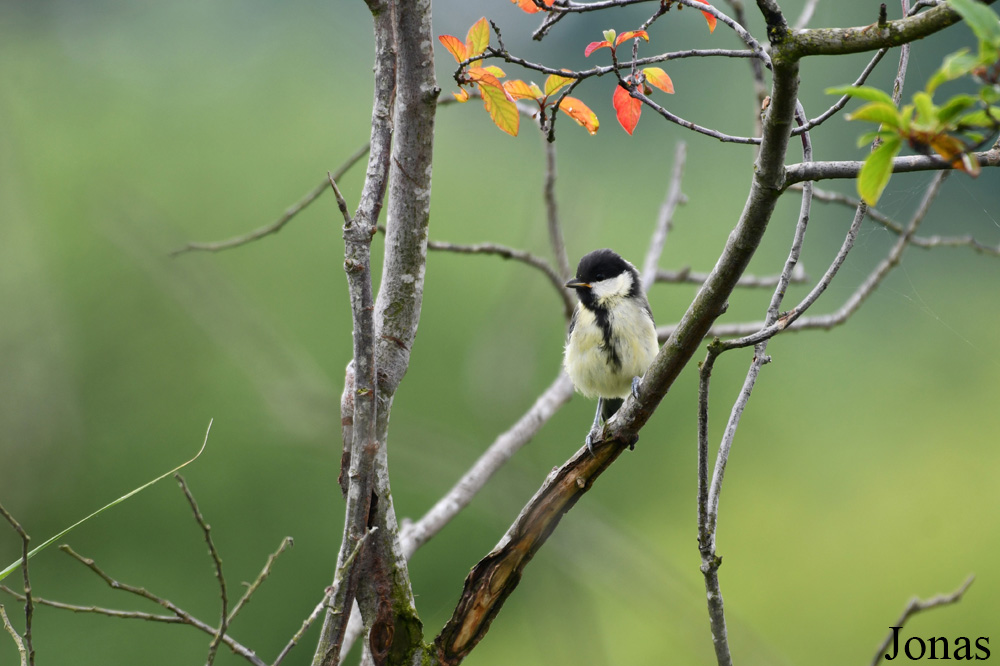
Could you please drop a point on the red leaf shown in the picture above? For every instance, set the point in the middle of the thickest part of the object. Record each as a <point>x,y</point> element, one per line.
<point>627,108</point>
<point>593,46</point>
<point>708,17</point>
<point>579,112</point>
<point>630,34</point>
<point>657,77</point>
<point>455,47</point>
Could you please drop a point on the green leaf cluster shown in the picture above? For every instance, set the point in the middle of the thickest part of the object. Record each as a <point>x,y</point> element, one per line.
<point>952,130</point>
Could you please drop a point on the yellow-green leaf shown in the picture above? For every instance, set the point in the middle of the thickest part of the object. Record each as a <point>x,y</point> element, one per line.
<point>502,109</point>
<point>478,37</point>
<point>926,111</point>
<point>877,112</point>
<point>983,21</point>
<point>877,170</point>
<point>495,71</point>
<point>555,82</point>
<point>862,92</point>
<point>658,78</point>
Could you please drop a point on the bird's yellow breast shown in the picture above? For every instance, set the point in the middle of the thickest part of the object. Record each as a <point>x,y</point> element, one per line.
<point>588,359</point>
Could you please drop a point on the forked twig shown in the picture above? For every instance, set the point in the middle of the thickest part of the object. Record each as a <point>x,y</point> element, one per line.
<point>286,217</point>
<point>917,606</point>
<point>217,562</point>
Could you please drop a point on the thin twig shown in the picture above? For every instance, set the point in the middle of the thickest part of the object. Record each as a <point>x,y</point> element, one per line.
<point>707,131</point>
<point>206,530</point>
<point>687,276</point>
<point>752,332</point>
<point>916,606</point>
<point>499,452</point>
<point>508,253</point>
<point>13,634</point>
<point>664,221</point>
<point>844,99</point>
<point>286,543</point>
<point>109,612</point>
<point>341,202</point>
<point>556,240</point>
<point>308,622</point>
<point>29,609</point>
<point>286,217</point>
<point>756,69</point>
<point>230,642</point>
<point>338,598</point>
<point>926,242</point>
<point>182,614</point>
<point>807,13</point>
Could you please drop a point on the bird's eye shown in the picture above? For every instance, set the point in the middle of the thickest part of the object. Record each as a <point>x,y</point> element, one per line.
<point>600,276</point>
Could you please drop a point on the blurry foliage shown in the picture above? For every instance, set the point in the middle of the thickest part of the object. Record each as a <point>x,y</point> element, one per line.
<point>864,471</point>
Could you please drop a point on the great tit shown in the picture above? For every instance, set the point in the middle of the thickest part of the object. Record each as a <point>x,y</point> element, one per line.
<point>612,338</point>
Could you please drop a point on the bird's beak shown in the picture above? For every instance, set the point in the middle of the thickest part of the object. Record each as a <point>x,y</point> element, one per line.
<point>577,284</point>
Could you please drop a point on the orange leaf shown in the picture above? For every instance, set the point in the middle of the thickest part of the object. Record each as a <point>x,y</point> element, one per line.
<point>657,77</point>
<point>627,108</point>
<point>593,46</point>
<point>555,82</point>
<point>630,34</point>
<point>952,150</point>
<point>502,109</point>
<point>708,17</point>
<point>455,47</point>
<point>579,112</point>
<point>462,95</point>
<point>518,89</point>
<point>484,76</point>
<point>478,38</point>
<point>529,5</point>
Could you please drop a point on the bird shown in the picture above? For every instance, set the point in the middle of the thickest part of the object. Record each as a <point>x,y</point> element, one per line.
<point>612,338</point>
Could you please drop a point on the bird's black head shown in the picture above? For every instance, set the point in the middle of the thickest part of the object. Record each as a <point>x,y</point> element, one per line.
<point>595,271</point>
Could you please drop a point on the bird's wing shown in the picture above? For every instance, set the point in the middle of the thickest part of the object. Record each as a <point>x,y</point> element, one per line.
<point>572,322</point>
<point>645,306</point>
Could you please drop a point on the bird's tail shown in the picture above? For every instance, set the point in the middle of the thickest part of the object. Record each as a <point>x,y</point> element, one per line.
<point>610,406</point>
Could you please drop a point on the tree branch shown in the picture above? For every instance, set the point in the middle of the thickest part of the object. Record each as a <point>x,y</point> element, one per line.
<point>217,562</point>
<point>797,173</point>
<point>182,615</point>
<point>841,41</point>
<point>664,221</point>
<point>917,606</point>
<point>279,224</point>
<point>18,641</point>
<point>357,265</point>
<point>27,650</point>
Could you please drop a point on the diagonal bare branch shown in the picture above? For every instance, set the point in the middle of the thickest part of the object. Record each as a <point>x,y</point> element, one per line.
<point>918,606</point>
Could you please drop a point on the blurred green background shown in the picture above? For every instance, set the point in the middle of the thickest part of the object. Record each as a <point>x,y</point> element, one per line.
<point>864,472</point>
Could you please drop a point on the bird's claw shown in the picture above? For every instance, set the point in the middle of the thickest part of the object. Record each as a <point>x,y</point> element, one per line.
<point>592,436</point>
<point>635,387</point>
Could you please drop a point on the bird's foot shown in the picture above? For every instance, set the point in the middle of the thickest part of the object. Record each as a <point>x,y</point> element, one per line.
<point>635,387</point>
<point>592,436</point>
